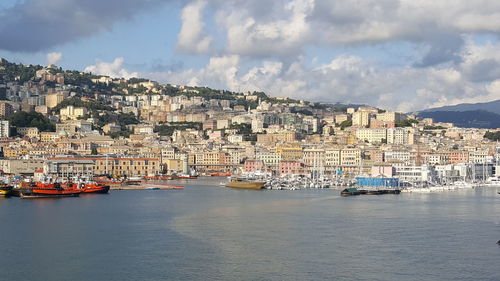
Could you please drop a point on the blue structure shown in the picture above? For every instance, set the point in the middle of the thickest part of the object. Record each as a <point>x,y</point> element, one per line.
<point>377,182</point>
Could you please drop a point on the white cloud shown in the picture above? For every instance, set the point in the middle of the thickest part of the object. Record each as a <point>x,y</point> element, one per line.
<point>353,79</point>
<point>278,29</point>
<point>191,39</point>
<point>54,58</point>
<point>112,69</point>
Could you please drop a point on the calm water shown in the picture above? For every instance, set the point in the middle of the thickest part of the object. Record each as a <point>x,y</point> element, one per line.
<point>208,232</point>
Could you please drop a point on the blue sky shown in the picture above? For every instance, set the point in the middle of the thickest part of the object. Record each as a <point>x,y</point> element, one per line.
<point>398,54</point>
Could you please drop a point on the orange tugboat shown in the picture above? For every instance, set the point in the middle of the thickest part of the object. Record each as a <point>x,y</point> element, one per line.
<point>93,187</point>
<point>49,190</point>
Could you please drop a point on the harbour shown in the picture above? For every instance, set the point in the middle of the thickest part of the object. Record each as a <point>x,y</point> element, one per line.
<point>236,234</point>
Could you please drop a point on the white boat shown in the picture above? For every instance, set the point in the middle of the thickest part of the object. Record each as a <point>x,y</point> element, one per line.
<point>492,182</point>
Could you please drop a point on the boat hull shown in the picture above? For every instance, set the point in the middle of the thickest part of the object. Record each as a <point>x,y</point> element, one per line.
<point>96,190</point>
<point>246,185</point>
<point>29,193</point>
<point>35,195</point>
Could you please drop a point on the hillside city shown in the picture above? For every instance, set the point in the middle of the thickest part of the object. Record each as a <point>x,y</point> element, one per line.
<point>68,123</point>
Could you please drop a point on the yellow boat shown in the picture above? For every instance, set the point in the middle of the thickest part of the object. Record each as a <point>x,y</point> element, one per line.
<point>246,184</point>
<point>5,190</point>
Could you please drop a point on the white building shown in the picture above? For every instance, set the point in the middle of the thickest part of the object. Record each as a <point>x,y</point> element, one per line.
<point>371,135</point>
<point>4,129</point>
<point>399,136</point>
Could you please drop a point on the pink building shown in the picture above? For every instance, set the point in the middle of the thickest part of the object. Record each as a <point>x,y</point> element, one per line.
<point>210,125</point>
<point>291,168</point>
<point>252,166</point>
<point>383,171</point>
<point>376,124</point>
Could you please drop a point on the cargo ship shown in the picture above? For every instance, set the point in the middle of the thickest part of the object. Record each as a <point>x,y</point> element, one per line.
<point>49,190</point>
<point>243,183</point>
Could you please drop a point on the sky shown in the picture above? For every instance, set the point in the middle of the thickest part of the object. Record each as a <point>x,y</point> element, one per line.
<point>403,55</point>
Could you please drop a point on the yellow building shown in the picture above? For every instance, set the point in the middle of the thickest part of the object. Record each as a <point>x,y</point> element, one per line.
<point>361,118</point>
<point>289,152</point>
<point>127,166</point>
<point>350,157</point>
<point>53,100</point>
<point>31,132</point>
<point>173,165</point>
<point>72,113</point>
<point>14,152</point>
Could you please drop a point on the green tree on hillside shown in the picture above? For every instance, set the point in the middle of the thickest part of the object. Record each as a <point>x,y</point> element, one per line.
<point>31,119</point>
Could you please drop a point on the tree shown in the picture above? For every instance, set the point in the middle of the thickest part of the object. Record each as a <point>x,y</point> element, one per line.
<point>242,129</point>
<point>406,123</point>
<point>168,129</point>
<point>345,124</point>
<point>493,136</point>
<point>31,119</point>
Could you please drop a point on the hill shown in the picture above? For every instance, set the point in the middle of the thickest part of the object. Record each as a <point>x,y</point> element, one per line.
<point>465,119</point>
<point>492,106</point>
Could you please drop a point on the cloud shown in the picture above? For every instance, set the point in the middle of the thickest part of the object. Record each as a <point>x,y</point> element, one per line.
<point>191,39</point>
<point>35,25</point>
<point>112,69</point>
<point>54,58</point>
<point>474,78</point>
<point>277,29</point>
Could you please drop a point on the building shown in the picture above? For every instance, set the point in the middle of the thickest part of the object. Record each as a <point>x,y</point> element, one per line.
<point>399,136</point>
<point>210,125</point>
<point>69,168</point>
<point>53,100</point>
<point>389,116</point>
<point>111,128</point>
<point>48,136</point>
<point>372,135</point>
<point>291,168</point>
<point>72,113</point>
<point>143,129</point>
<point>4,129</point>
<point>6,109</point>
<point>422,173</point>
<point>289,152</point>
<point>252,166</point>
<point>350,157</point>
<point>270,159</point>
<point>127,167</point>
<point>361,118</point>
<point>31,132</point>
<point>21,166</point>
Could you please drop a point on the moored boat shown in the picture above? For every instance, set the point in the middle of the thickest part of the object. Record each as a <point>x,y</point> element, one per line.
<point>49,190</point>
<point>112,184</point>
<point>220,174</point>
<point>95,188</point>
<point>161,185</point>
<point>350,192</point>
<point>5,190</point>
<point>184,177</point>
<point>374,192</point>
<point>243,183</point>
